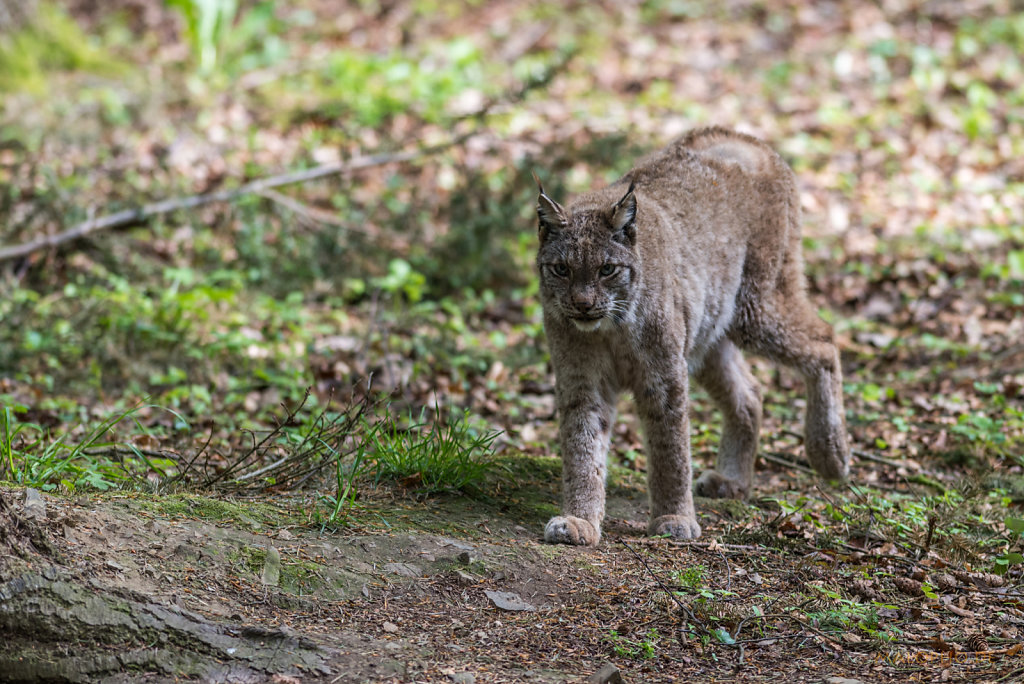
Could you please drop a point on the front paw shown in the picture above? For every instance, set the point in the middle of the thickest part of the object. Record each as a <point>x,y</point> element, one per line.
<point>714,485</point>
<point>676,526</point>
<point>568,529</point>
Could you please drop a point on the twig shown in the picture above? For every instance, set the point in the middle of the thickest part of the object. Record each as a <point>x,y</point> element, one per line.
<point>137,216</point>
<point>312,213</point>
<point>1011,673</point>
<point>868,456</point>
<point>781,616</point>
<point>120,450</point>
<point>182,471</point>
<point>257,473</point>
<point>775,458</point>
<point>678,544</point>
<point>664,588</point>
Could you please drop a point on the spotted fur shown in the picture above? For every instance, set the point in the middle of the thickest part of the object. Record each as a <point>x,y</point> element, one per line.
<point>666,274</point>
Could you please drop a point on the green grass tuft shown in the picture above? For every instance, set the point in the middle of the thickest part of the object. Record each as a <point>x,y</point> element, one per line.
<point>442,456</point>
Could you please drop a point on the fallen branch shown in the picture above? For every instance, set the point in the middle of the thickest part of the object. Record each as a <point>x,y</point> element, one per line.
<point>313,215</point>
<point>866,455</point>
<point>139,215</point>
<point>263,186</point>
<point>780,460</point>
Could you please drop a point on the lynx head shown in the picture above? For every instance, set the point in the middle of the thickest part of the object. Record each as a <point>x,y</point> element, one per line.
<point>588,263</point>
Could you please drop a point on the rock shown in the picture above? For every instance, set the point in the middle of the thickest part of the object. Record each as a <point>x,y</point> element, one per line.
<point>35,507</point>
<point>447,541</point>
<point>464,578</point>
<point>390,627</point>
<point>463,677</point>
<point>842,680</point>
<point>608,674</point>
<point>186,552</point>
<point>271,575</point>
<point>466,558</point>
<point>506,600</point>
<point>404,569</point>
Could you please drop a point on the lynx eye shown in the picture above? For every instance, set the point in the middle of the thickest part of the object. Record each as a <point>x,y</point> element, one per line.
<point>560,270</point>
<point>607,270</point>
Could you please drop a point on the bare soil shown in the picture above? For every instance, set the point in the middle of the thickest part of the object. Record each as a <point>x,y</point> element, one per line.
<point>159,589</point>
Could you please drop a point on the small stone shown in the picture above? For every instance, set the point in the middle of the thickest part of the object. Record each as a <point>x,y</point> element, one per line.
<point>506,600</point>
<point>608,674</point>
<point>285,535</point>
<point>35,507</point>
<point>463,677</point>
<point>447,541</point>
<point>390,627</point>
<point>464,578</point>
<point>842,680</point>
<point>404,569</point>
<point>271,575</point>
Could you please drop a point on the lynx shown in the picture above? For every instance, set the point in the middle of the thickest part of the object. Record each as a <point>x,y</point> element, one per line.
<point>664,275</point>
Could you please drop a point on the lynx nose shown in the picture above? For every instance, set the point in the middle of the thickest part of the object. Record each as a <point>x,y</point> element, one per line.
<point>584,301</point>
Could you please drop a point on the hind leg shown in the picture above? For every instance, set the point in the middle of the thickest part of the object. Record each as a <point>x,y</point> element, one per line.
<point>786,329</point>
<point>726,377</point>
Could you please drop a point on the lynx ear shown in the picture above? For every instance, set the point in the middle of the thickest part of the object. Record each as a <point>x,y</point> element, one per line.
<point>550,214</point>
<point>624,216</point>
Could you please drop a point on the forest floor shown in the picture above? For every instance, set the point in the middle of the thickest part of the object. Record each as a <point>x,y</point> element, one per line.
<point>463,586</point>
<point>217,400</point>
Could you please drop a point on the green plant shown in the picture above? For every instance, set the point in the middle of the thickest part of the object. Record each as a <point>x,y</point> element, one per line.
<point>692,577</point>
<point>96,459</point>
<point>206,23</point>
<point>1011,558</point>
<point>443,455</point>
<point>348,469</point>
<point>994,433</point>
<point>402,279</point>
<point>643,648</point>
<point>51,41</point>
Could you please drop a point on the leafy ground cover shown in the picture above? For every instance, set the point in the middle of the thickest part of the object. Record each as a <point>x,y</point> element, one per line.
<point>364,350</point>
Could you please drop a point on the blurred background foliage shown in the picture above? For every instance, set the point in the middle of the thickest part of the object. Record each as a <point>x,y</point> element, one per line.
<point>903,120</point>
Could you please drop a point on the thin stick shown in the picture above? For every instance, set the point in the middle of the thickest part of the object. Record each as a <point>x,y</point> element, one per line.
<point>665,589</point>
<point>311,213</point>
<point>866,455</point>
<point>139,215</point>
<point>775,458</point>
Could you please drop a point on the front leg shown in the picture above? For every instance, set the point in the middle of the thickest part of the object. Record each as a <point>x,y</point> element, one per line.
<point>584,431</point>
<point>665,413</point>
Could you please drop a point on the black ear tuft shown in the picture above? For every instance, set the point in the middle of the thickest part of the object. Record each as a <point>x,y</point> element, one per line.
<point>624,216</point>
<point>551,216</point>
